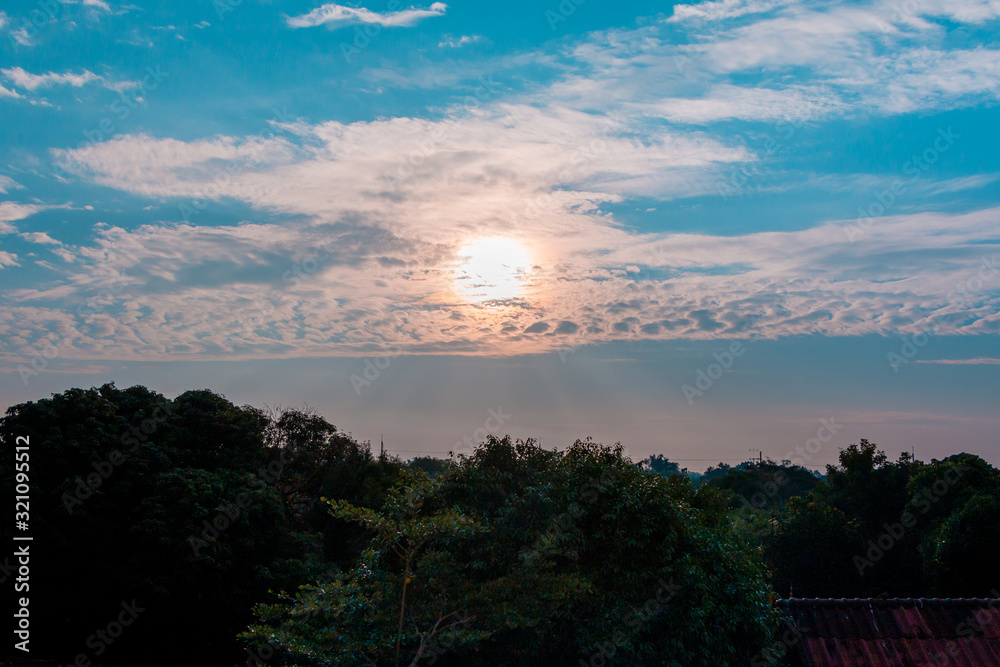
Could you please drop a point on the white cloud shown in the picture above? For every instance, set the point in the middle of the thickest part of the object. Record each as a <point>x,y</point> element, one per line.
<point>22,37</point>
<point>725,102</point>
<point>7,184</point>
<point>962,11</point>
<point>199,293</point>
<point>838,59</point>
<point>391,201</point>
<point>451,42</point>
<point>396,199</point>
<point>11,211</point>
<point>521,151</point>
<point>100,4</point>
<point>33,81</point>
<point>122,86</point>
<point>334,14</point>
<point>724,9</point>
<point>962,183</point>
<point>8,259</point>
<point>40,237</point>
<point>980,361</point>
<point>4,92</point>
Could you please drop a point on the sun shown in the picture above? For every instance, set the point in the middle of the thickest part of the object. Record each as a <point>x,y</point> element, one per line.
<point>493,268</point>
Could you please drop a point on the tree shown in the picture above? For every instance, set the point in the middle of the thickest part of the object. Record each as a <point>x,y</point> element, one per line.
<point>874,492</point>
<point>586,557</point>
<point>430,465</point>
<point>193,507</point>
<point>765,486</point>
<point>663,466</point>
<point>812,551</point>
<point>964,552</point>
<point>400,600</point>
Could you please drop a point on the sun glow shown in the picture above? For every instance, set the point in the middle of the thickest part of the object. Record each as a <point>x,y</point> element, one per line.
<point>493,268</point>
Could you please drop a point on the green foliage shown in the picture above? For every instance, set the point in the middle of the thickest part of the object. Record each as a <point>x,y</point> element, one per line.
<point>430,465</point>
<point>765,486</point>
<point>963,554</point>
<point>812,551</point>
<point>199,510</point>
<point>125,488</point>
<point>663,466</point>
<point>537,557</point>
<point>910,528</point>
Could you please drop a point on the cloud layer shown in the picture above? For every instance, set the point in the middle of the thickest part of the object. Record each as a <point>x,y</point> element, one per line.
<point>366,218</point>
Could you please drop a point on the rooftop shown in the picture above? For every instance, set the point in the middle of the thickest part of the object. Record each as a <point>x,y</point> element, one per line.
<point>893,631</point>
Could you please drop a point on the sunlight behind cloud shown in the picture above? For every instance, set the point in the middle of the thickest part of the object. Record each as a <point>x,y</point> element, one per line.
<point>492,268</point>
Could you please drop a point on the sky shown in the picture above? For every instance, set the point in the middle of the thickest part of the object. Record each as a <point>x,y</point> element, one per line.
<point>715,230</point>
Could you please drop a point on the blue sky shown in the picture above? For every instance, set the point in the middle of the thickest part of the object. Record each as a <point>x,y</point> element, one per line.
<point>568,210</point>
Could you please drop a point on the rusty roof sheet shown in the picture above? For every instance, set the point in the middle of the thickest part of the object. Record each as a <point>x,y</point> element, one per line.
<point>893,631</point>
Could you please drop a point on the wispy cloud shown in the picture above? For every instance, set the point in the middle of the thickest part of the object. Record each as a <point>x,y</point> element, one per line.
<point>8,259</point>
<point>451,42</point>
<point>811,61</point>
<point>7,184</point>
<point>980,361</point>
<point>32,82</point>
<point>12,211</point>
<point>517,172</point>
<point>726,101</point>
<point>621,114</point>
<point>13,94</point>
<point>334,15</point>
<point>724,9</point>
<point>41,238</point>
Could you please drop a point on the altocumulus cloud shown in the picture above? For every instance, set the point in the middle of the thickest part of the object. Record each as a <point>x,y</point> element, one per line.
<point>391,201</point>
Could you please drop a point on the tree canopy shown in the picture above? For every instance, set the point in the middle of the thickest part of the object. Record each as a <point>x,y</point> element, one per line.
<point>272,535</point>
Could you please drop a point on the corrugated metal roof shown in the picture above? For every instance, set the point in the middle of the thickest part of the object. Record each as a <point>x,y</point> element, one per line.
<point>893,631</point>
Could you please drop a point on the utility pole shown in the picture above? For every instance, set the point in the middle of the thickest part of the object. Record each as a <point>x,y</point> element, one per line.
<point>381,448</point>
